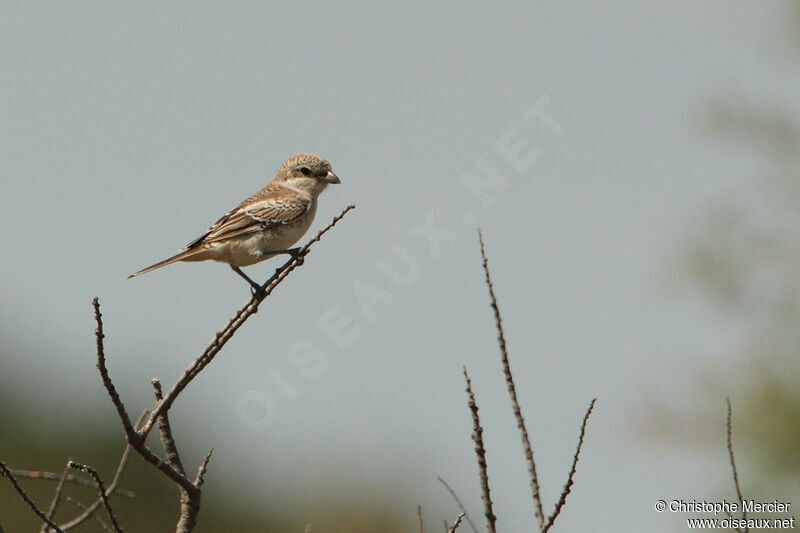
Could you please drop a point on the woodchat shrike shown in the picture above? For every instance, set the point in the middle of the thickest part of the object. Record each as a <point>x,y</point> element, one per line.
<point>267,223</point>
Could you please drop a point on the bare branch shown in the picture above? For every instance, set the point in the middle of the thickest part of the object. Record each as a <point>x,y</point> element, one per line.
<point>568,486</point>
<point>223,336</point>
<point>164,429</point>
<point>452,529</point>
<point>729,434</point>
<point>421,524</point>
<point>480,451</point>
<point>97,519</point>
<point>112,487</point>
<point>460,505</point>
<point>53,476</point>
<point>135,439</point>
<point>102,489</point>
<point>512,393</point>
<point>201,471</point>
<point>56,497</point>
<point>130,432</point>
<point>27,500</point>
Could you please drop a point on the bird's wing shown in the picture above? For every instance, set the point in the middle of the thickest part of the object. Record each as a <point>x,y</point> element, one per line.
<point>267,208</point>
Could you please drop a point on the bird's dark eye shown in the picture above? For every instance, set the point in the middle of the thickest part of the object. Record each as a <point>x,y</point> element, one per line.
<point>305,171</point>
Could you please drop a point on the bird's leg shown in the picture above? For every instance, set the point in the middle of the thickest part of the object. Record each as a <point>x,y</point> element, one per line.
<point>255,286</point>
<point>294,252</point>
<point>291,251</point>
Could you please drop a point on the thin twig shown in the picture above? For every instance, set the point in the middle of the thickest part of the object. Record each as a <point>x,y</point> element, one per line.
<point>452,529</point>
<point>101,488</point>
<point>568,485</point>
<point>421,525</point>
<point>201,470</point>
<point>729,434</point>
<point>460,505</point>
<point>27,500</point>
<point>134,438</point>
<point>480,451</point>
<point>164,429</point>
<point>99,520</point>
<point>53,476</point>
<point>112,487</point>
<point>56,498</point>
<point>512,393</point>
<point>109,385</point>
<point>223,336</point>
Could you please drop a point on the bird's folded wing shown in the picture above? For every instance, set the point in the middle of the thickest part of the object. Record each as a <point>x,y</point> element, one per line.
<point>268,208</point>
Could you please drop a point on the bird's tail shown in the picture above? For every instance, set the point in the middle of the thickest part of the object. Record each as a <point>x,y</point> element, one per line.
<point>180,256</point>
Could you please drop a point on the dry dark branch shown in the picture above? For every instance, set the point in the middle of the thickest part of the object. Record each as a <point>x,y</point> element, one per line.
<point>480,451</point>
<point>134,437</point>
<point>112,487</point>
<point>27,500</point>
<point>460,505</point>
<point>512,393</point>
<point>421,524</point>
<point>53,476</point>
<point>568,485</point>
<point>223,336</point>
<point>729,435</point>
<point>165,431</point>
<point>101,488</point>
<point>107,383</point>
<point>452,529</point>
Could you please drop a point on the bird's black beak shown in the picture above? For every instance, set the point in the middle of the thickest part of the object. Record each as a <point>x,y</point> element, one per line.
<point>331,178</point>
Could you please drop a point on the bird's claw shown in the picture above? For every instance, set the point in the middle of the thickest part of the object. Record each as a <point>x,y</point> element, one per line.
<point>256,291</point>
<point>298,254</point>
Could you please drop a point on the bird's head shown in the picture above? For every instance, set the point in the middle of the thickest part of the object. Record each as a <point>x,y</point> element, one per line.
<point>308,173</point>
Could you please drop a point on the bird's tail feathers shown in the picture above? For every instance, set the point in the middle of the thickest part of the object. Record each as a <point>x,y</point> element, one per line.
<point>180,256</point>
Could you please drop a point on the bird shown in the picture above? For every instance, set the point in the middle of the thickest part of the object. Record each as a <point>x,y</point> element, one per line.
<point>264,225</point>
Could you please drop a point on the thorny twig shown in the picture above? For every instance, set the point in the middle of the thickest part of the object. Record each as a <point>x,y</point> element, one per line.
<point>480,451</point>
<point>27,500</point>
<point>512,393</point>
<point>568,485</point>
<point>729,435</point>
<point>112,487</point>
<point>223,336</point>
<point>102,488</point>
<point>452,529</point>
<point>460,505</point>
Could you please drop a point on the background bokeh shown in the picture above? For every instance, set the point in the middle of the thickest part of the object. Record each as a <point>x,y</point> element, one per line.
<point>645,252</point>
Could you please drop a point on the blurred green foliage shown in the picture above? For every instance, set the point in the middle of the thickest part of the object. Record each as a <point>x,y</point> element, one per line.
<point>742,257</point>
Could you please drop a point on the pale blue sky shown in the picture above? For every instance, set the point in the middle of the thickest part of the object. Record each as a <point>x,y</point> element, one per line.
<point>128,129</point>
